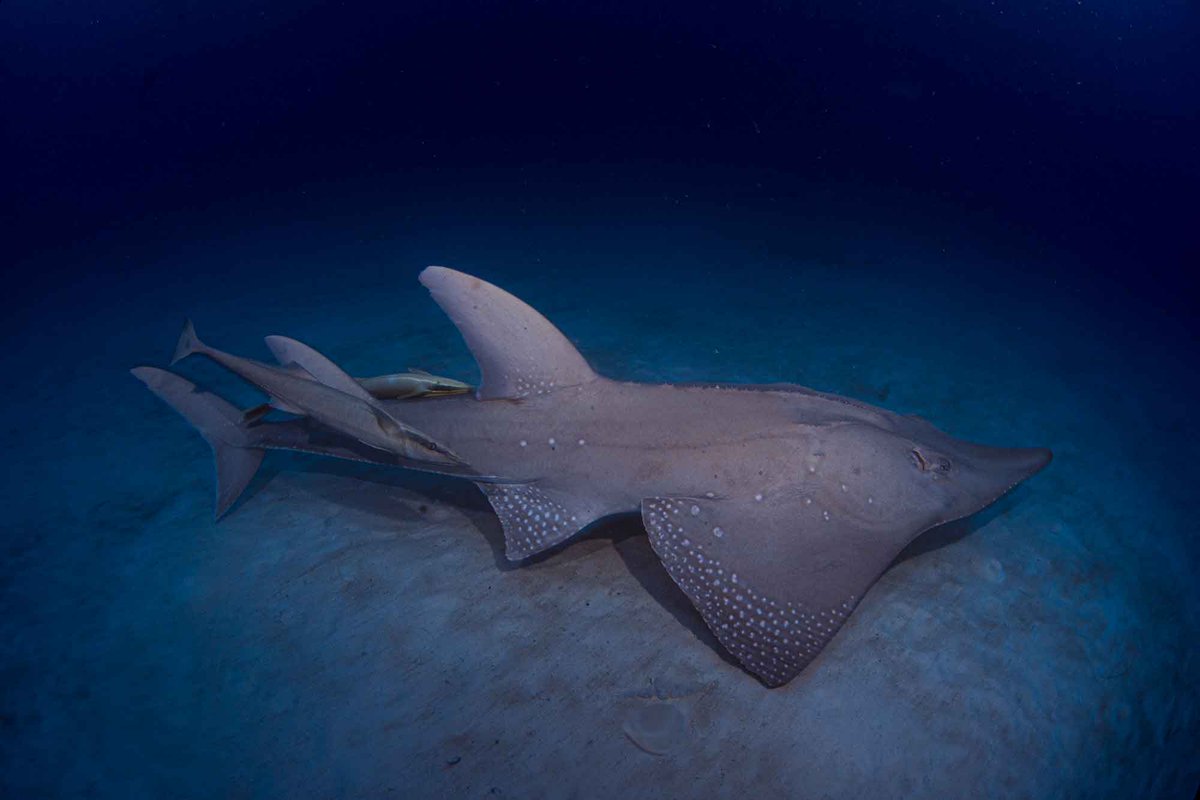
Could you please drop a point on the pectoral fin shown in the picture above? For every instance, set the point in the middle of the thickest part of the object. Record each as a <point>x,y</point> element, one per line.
<point>773,578</point>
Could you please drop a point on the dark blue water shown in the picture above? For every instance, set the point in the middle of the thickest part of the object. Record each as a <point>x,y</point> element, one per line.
<point>983,214</point>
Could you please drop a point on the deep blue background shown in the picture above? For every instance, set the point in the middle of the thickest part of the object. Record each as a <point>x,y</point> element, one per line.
<point>1055,132</point>
<point>983,212</point>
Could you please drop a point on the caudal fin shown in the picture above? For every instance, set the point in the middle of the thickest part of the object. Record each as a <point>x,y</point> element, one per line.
<point>188,343</point>
<point>219,422</point>
<point>236,466</point>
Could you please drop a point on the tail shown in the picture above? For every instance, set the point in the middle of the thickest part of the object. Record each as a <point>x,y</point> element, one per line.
<point>220,423</point>
<point>188,344</point>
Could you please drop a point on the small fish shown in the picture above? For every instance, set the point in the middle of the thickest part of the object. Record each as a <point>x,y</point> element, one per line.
<point>240,438</point>
<point>411,385</point>
<point>313,386</point>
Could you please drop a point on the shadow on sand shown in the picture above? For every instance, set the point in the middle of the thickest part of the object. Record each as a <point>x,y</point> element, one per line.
<point>623,531</point>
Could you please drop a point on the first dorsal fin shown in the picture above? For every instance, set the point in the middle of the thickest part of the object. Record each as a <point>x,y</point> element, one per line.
<point>291,352</point>
<point>520,353</point>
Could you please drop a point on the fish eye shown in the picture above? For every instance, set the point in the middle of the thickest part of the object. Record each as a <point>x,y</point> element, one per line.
<point>942,465</point>
<point>919,460</point>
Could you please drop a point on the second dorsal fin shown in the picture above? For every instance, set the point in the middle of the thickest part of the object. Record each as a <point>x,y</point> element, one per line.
<point>520,353</point>
<point>290,352</point>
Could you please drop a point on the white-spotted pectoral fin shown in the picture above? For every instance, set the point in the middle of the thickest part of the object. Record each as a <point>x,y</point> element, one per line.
<point>773,580</point>
<point>536,519</point>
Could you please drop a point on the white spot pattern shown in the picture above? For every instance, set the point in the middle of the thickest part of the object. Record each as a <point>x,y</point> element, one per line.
<point>772,638</point>
<point>526,386</point>
<point>532,520</point>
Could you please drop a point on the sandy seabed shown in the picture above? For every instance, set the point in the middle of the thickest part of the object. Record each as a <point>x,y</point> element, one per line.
<point>354,631</point>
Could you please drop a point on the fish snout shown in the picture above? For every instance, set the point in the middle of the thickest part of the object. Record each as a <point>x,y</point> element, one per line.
<point>995,470</point>
<point>1021,462</point>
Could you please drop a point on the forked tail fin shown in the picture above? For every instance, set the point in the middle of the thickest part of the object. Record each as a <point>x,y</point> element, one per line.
<point>188,343</point>
<point>221,424</point>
